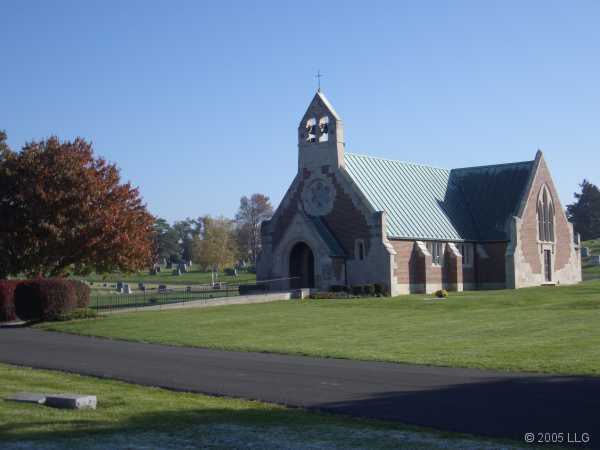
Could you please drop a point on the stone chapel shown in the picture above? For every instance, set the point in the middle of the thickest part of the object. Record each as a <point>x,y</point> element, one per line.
<point>350,219</point>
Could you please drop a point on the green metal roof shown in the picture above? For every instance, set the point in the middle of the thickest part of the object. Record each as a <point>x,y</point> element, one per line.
<point>492,195</point>
<point>430,203</point>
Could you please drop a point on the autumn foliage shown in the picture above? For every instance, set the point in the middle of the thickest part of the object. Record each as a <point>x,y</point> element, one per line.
<point>62,210</point>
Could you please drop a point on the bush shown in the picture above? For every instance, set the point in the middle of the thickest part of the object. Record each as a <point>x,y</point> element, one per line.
<point>7,300</point>
<point>82,293</point>
<point>369,290</point>
<point>442,293</point>
<point>45,299</point>
<point>328,295</point>
<point>338,288</point>
<point>78,313</point>
<point>357,290</point>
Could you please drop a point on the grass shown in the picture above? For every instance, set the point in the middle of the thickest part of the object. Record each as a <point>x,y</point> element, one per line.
<point>130,416</point>
<point>542,329</point>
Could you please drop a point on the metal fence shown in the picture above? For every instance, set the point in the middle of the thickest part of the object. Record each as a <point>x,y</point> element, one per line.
<point>112,301</point>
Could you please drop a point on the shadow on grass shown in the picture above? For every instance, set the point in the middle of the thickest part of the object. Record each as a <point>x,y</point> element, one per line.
<point>500,408</point>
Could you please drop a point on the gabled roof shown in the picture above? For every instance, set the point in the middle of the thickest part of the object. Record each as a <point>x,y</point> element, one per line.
<point>419,201</point>
<point>430,203</point>
<point>492,195</point>
<point>335,249</point>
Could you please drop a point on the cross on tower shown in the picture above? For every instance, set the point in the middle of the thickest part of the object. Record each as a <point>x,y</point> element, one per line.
<point>318,77</point>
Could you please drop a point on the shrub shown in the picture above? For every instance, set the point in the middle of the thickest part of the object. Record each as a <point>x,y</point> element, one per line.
<point>328,295</point>
<point>7,300</point>
<point>82,293</point>
<point>369,290</point>
<point>45,299</point>
<point>78,313</point>
<point>357,289</point>
<point>442,293</point>
<point>338,288</point>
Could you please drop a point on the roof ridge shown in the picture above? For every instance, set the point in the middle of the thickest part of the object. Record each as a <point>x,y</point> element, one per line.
<point>489,166</point>
<point>398,161</point>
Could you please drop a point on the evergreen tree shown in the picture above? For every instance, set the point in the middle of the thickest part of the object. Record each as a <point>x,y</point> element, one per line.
<point>585,212</point>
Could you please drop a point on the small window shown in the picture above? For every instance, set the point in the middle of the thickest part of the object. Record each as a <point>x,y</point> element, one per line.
<point>437,252</point>
<point>360,249</point>
<point>466,250</point>
<point>311,130</point>
<point>324,129</point>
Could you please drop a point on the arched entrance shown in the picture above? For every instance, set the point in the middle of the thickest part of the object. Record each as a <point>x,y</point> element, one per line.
<point>302,266</point>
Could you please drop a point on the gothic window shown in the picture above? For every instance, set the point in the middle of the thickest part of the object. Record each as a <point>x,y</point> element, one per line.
<point>311,130</point>
<point>324,129</point>
<point>545,214</point>
<point>437,252</point>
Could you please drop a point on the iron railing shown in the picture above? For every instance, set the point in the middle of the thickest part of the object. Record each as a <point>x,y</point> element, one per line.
<point>112,301</point>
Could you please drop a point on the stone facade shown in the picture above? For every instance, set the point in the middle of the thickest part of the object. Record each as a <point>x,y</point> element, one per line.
<point>349,245</point>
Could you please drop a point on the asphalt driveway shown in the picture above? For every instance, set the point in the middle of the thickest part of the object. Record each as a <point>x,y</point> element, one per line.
<point>464,400</point>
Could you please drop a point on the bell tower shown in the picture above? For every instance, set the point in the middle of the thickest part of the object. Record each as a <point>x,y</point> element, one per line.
<point>320,136</point>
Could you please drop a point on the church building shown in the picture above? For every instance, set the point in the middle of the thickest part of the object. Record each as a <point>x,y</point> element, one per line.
<point>350,219</point>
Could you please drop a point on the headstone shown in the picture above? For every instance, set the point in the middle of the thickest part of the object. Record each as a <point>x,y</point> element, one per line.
<point>27,397</point>
<point>119,286</point>
<point>162,288</point>
<point>62,401</point>
<point>126,289</point>
<point>595,260</point>
<point>585,252</point>
<point>71,401</point>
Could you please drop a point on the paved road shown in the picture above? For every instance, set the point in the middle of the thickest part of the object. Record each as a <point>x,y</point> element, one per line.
<point>465,400</point>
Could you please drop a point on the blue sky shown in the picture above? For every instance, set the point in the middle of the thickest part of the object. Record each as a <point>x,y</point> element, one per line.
<point>198,102</point>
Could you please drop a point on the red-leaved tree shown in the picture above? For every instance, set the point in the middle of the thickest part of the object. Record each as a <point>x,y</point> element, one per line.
<point>62,210</point>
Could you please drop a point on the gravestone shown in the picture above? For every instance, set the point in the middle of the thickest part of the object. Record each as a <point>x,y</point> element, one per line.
<point>61,401</point>
<point>585,252</point>
<point>119,286</point>
<point>162,288</point>
<point>595,260</point>
<point>126,289</point>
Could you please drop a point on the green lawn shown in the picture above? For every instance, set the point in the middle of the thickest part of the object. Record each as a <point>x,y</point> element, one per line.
<point>537,329</point>
<point>136,417</point>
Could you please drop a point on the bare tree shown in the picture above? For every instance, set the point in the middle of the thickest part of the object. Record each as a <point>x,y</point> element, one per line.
<point>251,213</point>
